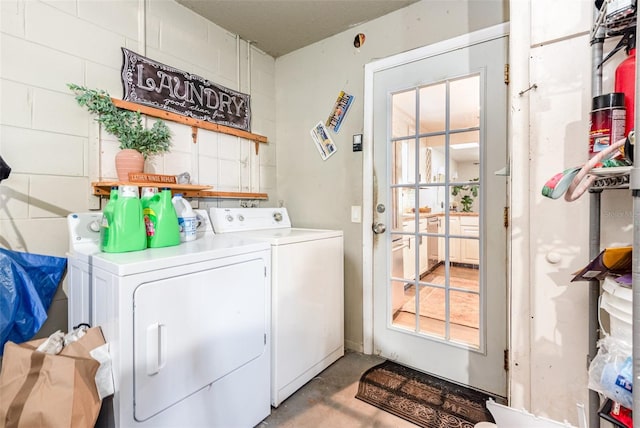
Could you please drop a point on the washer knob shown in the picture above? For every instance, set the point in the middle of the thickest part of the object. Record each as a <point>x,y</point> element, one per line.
<point>277,216</point>
<point>240,217</point>
<point>229,218</point>
<point>94,226</point>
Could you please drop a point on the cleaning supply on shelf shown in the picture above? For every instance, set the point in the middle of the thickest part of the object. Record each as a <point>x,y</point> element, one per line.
<point>625,79</point>
<point>161,220</point>
<point>629,147</point>
<point>107,215</point>
<point>122,227</point>
<point>608,117</point>
<point>146,194</point>
<point>186,218</point>
<point>617,414</point>
<point>610,371</point>
<point>616,382</point>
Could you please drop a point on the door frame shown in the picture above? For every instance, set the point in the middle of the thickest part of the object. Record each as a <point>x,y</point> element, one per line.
<point>370,69</point>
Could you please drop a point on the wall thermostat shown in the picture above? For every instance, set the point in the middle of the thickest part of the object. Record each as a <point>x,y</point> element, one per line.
<point>357,143</point>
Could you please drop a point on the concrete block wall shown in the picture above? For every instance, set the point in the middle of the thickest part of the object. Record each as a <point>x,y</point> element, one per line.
<point>56,149</point>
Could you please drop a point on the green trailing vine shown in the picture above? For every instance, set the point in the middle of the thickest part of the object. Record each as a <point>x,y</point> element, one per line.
<point>468,192</point>
<point>125,125</point>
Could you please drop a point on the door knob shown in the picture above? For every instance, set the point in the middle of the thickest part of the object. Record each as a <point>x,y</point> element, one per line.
<point>379,228</point>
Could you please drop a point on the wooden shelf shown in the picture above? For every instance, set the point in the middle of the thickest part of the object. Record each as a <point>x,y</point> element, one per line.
<point>194,123</point>
<point>103,188</point>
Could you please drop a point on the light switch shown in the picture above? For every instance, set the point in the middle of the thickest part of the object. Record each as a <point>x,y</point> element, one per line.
<point>357,143</point>
<point>356,214</point>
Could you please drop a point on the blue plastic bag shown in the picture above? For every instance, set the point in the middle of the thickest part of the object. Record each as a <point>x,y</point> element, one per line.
<point>28,283</point>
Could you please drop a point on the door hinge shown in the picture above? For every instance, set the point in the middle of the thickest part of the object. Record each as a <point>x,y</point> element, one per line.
<point>505,217</point>
<point>506,74</point>
<point>265,338</point>
<point>506,360</point>
<point>265,271</point>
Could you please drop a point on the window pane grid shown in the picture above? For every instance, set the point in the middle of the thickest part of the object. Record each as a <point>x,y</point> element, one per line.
<point>423,132</point>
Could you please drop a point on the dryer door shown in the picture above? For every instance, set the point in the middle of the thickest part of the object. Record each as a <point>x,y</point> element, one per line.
<point>193,329</point>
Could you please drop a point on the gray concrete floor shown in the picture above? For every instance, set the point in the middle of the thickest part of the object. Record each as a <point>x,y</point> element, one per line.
<point>329,400</point>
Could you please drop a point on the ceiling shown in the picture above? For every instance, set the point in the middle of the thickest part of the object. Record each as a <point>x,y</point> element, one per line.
<point>278,27</point>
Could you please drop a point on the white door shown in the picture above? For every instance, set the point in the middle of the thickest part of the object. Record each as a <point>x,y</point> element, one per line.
<point>439,137</point>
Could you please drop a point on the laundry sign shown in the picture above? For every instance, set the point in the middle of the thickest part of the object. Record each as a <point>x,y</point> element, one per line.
<point>158,85</point>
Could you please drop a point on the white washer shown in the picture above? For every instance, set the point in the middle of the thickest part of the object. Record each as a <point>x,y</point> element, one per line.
<point>188,327</point>
<point>307,271</point>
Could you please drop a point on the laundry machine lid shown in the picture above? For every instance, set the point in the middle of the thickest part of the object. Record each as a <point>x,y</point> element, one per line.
<point>203,249</point>
<point>266,224</point>
<point>291,235</point>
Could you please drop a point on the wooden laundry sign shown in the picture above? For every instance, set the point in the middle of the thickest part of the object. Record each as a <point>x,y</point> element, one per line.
<point>158,85</point>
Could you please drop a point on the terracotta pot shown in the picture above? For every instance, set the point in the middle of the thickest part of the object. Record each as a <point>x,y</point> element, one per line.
<point>128,160</point>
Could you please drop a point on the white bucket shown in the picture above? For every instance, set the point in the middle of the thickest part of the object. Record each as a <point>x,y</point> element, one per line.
<point>617,301</point>
<point>508,417</point>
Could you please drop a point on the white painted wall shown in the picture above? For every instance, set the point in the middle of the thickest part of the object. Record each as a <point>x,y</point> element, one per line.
<point>548,133</point>
<point>320,193</point>
<point>550,125</point>
<point>55,148</point>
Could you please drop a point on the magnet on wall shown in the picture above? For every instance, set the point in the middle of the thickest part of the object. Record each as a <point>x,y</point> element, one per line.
<point>359,40</point>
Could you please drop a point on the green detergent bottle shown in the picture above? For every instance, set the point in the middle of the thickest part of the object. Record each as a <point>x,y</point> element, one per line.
<point>161,219</point>
<point>107,216</point>
<point>123,224</point>
<point>146,194</point>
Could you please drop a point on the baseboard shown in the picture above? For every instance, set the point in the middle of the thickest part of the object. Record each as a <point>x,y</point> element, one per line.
<point>353,346</point>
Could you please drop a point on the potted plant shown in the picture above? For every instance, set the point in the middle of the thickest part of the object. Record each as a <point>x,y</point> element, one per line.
<point>136,142</point>
<point>468,192</point>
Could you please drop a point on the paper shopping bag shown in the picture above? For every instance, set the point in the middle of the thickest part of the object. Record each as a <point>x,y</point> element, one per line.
<point>45,390</point>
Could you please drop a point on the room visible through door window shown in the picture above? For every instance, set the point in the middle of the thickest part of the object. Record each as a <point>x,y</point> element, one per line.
<point>435,186</point>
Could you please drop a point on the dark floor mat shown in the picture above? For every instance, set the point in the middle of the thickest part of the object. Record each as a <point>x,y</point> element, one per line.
<point>425,400</point>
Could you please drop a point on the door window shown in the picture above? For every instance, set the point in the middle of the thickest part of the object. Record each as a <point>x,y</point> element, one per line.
<point>435,156</point>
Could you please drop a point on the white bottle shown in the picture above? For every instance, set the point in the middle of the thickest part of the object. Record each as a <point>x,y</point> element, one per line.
<point>186,218</point>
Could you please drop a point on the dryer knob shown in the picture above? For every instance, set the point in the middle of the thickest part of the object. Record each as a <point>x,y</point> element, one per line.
<point>94,226</point>
<point>240,217</point>
<point>229,218</point>
<point>277,216</point>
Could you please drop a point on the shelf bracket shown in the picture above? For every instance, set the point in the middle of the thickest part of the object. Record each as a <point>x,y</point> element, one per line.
<point>194,134</point>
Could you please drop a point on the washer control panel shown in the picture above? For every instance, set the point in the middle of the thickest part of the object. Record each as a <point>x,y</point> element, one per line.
<point>84,229</point>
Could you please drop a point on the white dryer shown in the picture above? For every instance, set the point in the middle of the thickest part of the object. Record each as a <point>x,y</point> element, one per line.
<point>307,286</point>
<point>188,328</point>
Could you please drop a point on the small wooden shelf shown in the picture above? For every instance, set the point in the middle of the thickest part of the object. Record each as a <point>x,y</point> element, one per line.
<point>103,188</point>
<point>194,123</point>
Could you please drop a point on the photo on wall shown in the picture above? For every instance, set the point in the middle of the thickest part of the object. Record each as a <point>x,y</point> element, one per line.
<point>323,140</point>
<point>340,109</point>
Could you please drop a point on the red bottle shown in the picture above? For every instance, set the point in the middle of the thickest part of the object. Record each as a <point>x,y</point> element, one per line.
<point>625,81</point>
